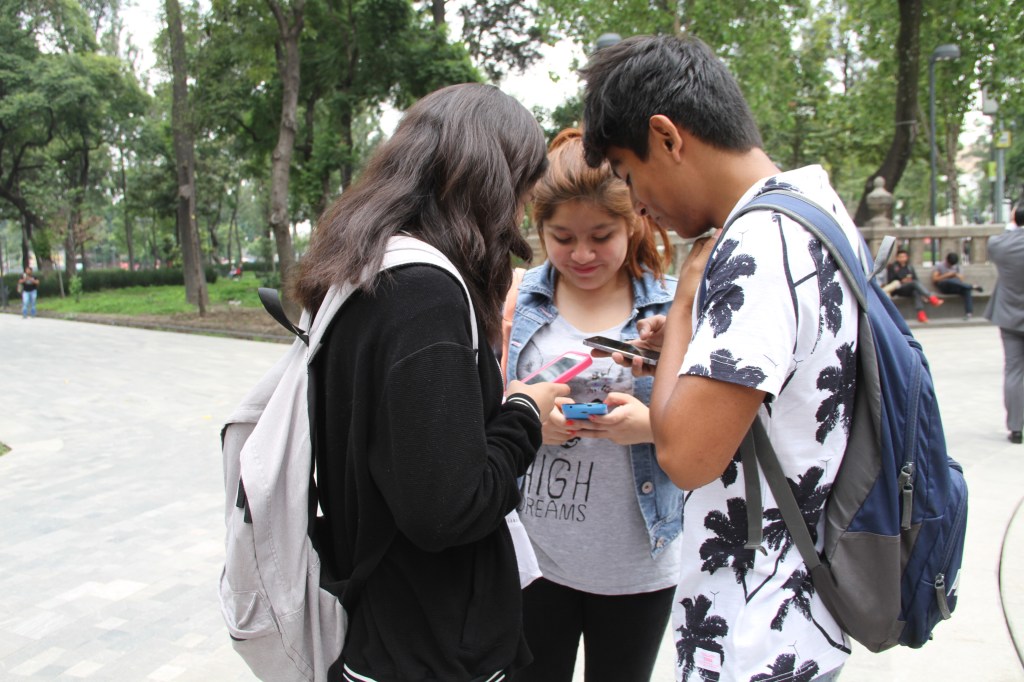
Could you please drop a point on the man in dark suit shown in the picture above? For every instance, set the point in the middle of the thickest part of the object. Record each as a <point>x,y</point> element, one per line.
<point>1006,309</point>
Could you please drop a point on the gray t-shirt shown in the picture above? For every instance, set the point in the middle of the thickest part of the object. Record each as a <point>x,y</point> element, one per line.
<point>579,501</point>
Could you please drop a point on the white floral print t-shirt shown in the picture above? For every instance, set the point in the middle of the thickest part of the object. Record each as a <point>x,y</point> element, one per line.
<point>780,318</point>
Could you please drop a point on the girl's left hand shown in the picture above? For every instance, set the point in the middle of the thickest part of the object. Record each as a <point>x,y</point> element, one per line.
<point>628,421</point>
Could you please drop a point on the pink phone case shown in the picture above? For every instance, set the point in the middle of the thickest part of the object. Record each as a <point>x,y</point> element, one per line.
<point>561,369</point>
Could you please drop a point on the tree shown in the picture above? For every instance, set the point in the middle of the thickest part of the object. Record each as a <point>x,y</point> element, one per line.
<point>290,20</point>
<point>27,122</point>
<point>184,153</point>
<point>503,35</point>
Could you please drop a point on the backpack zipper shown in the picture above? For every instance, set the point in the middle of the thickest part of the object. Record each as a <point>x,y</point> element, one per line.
<point>940,579</point>
<point>907,486</point>
<point>907,472</point>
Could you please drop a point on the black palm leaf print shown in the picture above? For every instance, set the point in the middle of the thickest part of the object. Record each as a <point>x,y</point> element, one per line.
<point>731,472</point>
<point>839,382</point>
<point>726,547</point>
<point>725,367</point>
<point>830,294</point>
<point>773,183</point>
<point>810,497</point>
<point>783,670</point>
<point>699,631</point>
<point>803,589</point>
<point>725,296</point>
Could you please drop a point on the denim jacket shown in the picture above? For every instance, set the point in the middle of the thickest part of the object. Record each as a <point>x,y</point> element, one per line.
<point>661,502</point>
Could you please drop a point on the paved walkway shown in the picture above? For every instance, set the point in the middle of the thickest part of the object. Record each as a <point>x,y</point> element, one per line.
<point>111,534</point>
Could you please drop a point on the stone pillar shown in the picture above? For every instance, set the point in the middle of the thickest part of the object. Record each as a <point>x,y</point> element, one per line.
<point>880,202</point>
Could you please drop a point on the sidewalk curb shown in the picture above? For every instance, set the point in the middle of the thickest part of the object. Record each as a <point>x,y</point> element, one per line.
<point>1011,579</point>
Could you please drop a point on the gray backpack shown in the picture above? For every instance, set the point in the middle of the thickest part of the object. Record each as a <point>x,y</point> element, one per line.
<point>281,621</point>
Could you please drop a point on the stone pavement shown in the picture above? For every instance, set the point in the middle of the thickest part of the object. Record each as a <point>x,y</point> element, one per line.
<point>111,530</point>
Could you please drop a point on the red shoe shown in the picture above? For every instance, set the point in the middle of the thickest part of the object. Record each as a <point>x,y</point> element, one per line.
<point>936,301</point>
<point>921,317</point>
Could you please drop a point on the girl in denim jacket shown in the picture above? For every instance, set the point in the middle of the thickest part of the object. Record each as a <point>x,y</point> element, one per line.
<point>602,516</point>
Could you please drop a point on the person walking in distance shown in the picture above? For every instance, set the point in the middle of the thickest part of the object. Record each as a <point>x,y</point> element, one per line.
<point>607,544</point>
<point>28,285</point>
<point>774,340</point>
<point>900,270</point>
<point>1006,310</point>
<point>947,279</point>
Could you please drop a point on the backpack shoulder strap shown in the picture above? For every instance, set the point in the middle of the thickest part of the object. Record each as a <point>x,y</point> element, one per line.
<point>756,447</point>
<point>271,300</point>
<point>401,250</point>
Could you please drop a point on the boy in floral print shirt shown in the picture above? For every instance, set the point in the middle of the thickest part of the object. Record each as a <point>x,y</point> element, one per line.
<point>775,340</point>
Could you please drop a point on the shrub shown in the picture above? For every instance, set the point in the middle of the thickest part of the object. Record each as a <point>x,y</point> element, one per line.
<point>96,280</point>
<point>75,288</point>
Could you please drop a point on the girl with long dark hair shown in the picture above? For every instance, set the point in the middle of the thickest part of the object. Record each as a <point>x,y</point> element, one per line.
<point>417,454</point>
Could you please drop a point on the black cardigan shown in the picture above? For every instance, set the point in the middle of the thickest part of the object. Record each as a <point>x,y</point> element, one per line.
<point>413,442</point>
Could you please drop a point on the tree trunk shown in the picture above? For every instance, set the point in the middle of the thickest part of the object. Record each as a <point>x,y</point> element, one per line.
<point>437,9</point>
<point>76,235</point>
<point>26,243</point>
<point>184,153</point>
<point>29,223</point>
<point>211,227</point>
<point>70,250</point>
<point>129,242</point>
<point>289,33</point>
<point>908,53</point>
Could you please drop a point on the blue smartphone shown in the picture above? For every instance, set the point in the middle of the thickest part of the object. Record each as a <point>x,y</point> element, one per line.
<point>583,410</point>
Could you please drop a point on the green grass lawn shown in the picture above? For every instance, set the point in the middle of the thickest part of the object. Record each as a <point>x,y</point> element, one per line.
<point>164,300</point>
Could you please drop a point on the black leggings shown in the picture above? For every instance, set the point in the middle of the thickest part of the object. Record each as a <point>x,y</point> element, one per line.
<point>621,634</point>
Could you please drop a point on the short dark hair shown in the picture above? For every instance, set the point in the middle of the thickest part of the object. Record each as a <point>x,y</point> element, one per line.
<point>455,174</point>
<point>902,250</point>
<point>678,77</point>
<point>1018,215</point>
<point>952,258</point>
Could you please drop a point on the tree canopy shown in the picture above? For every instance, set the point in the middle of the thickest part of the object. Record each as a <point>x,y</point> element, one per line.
<point>286,99</point>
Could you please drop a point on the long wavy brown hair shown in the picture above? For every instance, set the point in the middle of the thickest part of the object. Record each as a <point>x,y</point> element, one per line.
<point>569,178</point>
<point>455,175</point>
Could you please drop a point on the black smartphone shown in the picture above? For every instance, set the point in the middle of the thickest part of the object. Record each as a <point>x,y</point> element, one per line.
<point>649,357</point>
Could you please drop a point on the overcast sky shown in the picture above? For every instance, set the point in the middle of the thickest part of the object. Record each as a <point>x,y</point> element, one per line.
<point>535,87</point>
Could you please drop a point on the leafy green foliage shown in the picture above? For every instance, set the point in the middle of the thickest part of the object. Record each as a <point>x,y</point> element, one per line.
<point>75,287</point>
<point>164,299</point>
<point>84,147</point>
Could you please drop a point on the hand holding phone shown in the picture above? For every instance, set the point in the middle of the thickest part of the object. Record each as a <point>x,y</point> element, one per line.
<point>603,343</point>
<point>583,410</point>
<point>561,369</point>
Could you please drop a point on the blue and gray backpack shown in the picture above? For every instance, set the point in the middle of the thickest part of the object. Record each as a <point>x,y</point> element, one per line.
<point>896,517</point>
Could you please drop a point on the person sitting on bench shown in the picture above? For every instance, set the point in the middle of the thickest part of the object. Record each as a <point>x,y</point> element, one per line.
<point>946,278</point>
<point>903,272</point>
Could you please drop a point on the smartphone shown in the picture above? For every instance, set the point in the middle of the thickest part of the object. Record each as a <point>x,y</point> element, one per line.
<point>583,410</point>
<point>649,357</point>
<point>561,369</point>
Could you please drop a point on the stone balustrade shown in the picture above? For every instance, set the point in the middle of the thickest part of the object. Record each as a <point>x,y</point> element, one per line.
<point>970,241</point>
<point>926,244</point>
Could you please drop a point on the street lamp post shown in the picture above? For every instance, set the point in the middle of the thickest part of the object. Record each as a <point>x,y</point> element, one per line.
<point>939,54</point>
